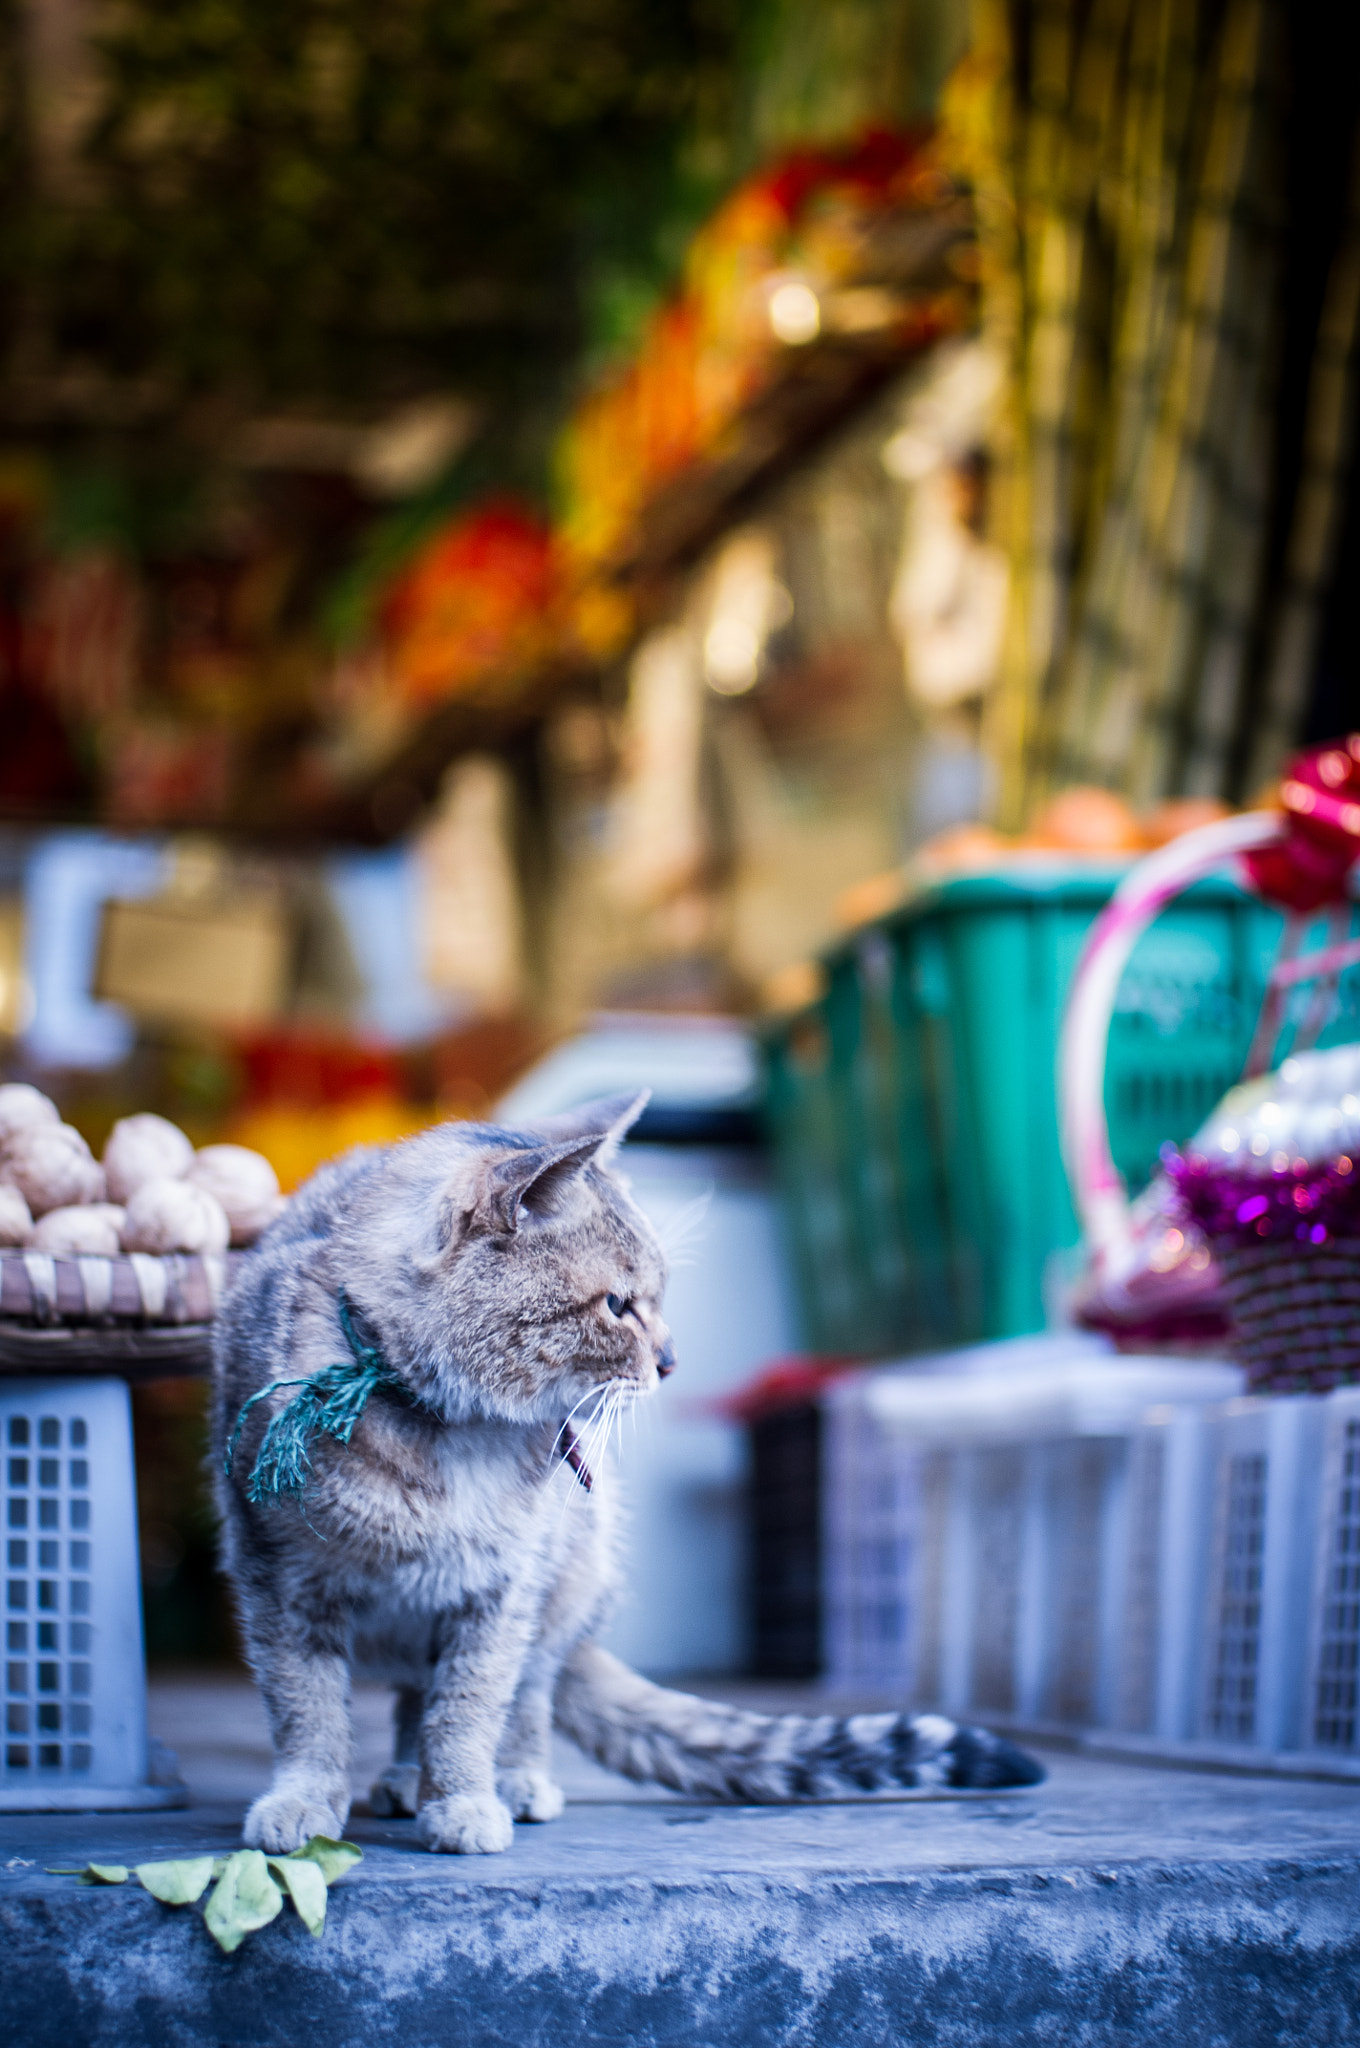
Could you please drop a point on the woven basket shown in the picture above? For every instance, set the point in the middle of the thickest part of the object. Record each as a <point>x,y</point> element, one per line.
<point>1296,1312</point>
<point>1294,1306</point>
<point>135,1316</point>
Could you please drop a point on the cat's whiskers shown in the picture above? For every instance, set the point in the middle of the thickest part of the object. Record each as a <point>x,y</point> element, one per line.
<point>564,1437</point>
<point>611,1415</point>
<point>599,1427</point>
<point>564,1427</point>
<point>618,1394</point>
<point>684,1229</point>
<point>587,1441</point>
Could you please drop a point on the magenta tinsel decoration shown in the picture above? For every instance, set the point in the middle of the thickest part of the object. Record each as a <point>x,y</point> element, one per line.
<point>1312,1204</point>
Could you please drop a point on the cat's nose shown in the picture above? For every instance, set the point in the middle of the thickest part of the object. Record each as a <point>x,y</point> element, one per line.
<point>665,1360</point>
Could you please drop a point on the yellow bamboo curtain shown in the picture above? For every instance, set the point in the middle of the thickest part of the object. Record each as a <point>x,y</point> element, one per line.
<point>1315,530</point>
<point>1125,159</point>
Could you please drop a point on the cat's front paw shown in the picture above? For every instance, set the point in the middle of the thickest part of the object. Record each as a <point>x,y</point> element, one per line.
<point>396,1794</point>
<point>467,1826</point>
<point>283,1820</point>
<point>531,1795</point>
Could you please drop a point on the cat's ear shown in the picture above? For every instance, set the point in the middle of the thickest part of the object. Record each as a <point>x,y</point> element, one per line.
<point>609,1119</point>
<point>536,1179</point>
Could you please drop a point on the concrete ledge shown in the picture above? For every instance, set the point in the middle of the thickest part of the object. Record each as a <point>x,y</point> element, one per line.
<point>1203,1956</point>
<point>1116,1905</point>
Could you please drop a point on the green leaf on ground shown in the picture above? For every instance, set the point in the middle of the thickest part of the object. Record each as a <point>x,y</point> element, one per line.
<point>244,1898</point>
<point>180,1881</point>
<point>306,1888</point>
<point>246,1895</point>
<point>331,1858</point>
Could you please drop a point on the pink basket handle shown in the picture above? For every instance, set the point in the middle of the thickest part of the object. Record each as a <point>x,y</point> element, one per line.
<point>1098,1190</point>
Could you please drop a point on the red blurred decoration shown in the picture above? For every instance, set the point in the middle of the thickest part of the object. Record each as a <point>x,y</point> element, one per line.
<point>881,166</point>
<point>1320,795</point>
<point>786,1383</point>
<point>474,605</point>
<point>306,1067</point>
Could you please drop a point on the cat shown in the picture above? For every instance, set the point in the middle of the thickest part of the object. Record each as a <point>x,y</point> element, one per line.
<point>469,1307</point>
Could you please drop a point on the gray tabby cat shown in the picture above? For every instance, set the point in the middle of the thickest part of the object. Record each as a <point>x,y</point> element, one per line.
<point>499,1287</point>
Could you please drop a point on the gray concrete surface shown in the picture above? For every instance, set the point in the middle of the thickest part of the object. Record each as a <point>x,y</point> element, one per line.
<point>1113,1905</point>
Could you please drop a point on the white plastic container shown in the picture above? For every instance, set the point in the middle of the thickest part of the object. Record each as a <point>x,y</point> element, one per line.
<point>980,1538</point>
<point>1187,1577</point>
<point>1266,1458</point>
<point>1213,1620</point>
<point>1157,1609</point>
<point>1332,1706</point>
<point>75,1687</point>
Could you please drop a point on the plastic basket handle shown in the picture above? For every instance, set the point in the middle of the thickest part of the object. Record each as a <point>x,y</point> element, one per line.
<point>1098,1191</point>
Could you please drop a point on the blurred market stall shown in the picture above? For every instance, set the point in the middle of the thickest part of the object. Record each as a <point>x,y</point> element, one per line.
<point>992,432</point>
<point>678,509</point>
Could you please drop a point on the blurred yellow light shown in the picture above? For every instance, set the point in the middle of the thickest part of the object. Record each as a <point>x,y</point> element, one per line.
<point>731,656</point>
<point>795,314</point>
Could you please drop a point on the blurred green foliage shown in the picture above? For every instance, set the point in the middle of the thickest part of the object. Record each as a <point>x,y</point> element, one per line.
<point>336,200</point>
<point>341,203</point>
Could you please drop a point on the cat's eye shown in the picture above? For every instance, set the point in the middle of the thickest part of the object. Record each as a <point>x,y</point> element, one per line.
<point>616,1304</point>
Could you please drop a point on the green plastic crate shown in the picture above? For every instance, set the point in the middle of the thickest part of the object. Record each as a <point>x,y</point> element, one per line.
<point>913,1110</point>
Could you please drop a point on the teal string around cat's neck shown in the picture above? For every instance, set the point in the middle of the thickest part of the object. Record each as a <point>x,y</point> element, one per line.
<point>330,1404</point>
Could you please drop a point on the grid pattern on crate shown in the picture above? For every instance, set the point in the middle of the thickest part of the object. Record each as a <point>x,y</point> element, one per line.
<point>1192,1575</point>
<point>1078,1483</point>
<point>805,1126</point>
<point>49,1676</point>
<point>1237,1585</point>
<point>999,1530</point>
<point>935,1471</point>
<point>1338,1651</point>
<point>1135,1706</point>
<point>886,1504</point>
<point>871,1536</point>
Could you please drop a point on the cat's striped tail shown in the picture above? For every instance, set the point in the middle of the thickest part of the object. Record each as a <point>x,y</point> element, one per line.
<point>646,1732</point>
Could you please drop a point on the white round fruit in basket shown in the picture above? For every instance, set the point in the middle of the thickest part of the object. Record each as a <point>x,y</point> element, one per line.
<point>52,1168</point>
<point>16,1224</point>
<point>143,1148</point>
<point>23,1108</point>
<point>89,1231</point>
<point>174,1216</point>
<point>244,1183</point>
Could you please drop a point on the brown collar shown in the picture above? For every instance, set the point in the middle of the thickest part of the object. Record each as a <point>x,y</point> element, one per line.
<point>571,1451</point>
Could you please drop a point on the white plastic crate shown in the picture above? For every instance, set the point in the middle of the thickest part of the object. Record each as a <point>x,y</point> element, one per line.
<point>873,1543</point>
<point>1036,1581</point>
<point>1332,1705</point>
<point>977,1525</point>
<point>1044,1546</point>
<point>1212,1616</point>
<point>1155,1617</point>
<point>75,1690</point>
<point>1266,1461</point>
